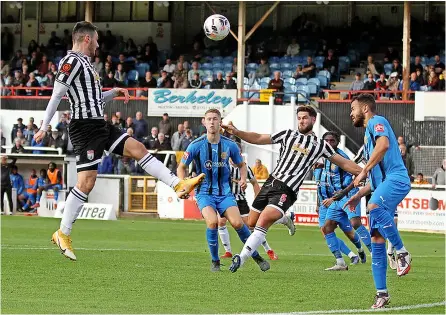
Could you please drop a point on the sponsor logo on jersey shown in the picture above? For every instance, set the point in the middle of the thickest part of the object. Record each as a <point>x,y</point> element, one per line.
<point>210,164</point>
<point>379,128</point>
<point>300,148</point>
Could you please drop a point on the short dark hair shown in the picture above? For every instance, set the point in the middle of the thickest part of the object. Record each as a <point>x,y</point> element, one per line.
<point>332,133</point>
<point>420,174</point>
<point>81,29</point>
<point>365,99</point>
<point>214,111</point>
<point>306,108</point>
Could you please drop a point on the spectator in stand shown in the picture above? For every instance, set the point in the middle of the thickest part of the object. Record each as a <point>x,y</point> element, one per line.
<point>260,171</point>
<point>128,123</point>
<point>420,78</point>
<point>43,67</point>
<point>218,82</point>
<point>130,48</point>
<point>53,69</point>
<point>150,58</point>
<point>121,121</point>
<point>330,63</point>
<point>6,186</point>
<point>139,54</point>
<point>393,84</point>
<point>153,47</point>
<point>438,66</point>
<point>48,83</point>
<point>115,122</point>
<point>32,82</point>
<point>121,76</point>
<point>263,70</point>
<point>310,68</point>
<point>439,177</point>
<point>5,68</point>
<point>177,137</point>
<point>234,67</point>
<point>416,65</point>
<point>126,166</point>
<point>141,127</point>
<point>150,141</point>
<point>186,140</point>
<point>299,73</point>
<point>16,127</point>
<point>18,81</point>
<point>165,81</point>
<point>126,65</point>
<point>109,59</point>
<point>31,122</point>
<point>62,125</point>
<point>25,72</point>
<point>420,180</point>
<point>56,141</point>
<point>17,182</point>
<point>391,54</point>
<point>130,132</point>
<point>180,77</point>
<point>201,129</point>
<point>98,66</point>
<point>413,85</point>
<point>169,67</point>
<point>293,48</point>
<point>106,165</point>
<point>49,130</point>
<point>408,161</point>
<point>276,83</point>
<point>186,125</point>
<point>396,67</point>
<point>372,67</point>
<point>370,84</point>
<point>34,62</point>
<point>32,46</point>
<point>164,126</point>
<point>21,137</point>
<point>197,52</point>
<point>105,118</point>
<point>229,83</point>
<point>433,82</point>
<point>148,82</point>
<point>107,69</point>
<point>109,81</point>
<point>16,62</point>
<point>3,142</point>
<point>358,84</point>
<point>54,41</point>
<point>18,147</point>
<point>381,84</point>
<point>196,82</point>
<point>162,144</point>
<point>184,63</point>
<point>28,133</point>
<point>191,73</point>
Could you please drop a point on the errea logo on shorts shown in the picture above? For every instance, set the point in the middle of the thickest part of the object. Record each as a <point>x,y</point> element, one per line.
<point>210,164</point>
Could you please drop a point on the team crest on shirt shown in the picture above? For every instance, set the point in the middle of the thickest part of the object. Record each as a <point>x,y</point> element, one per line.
<point>333,167</point>
<point>90,154</point>
<point>66,68</point>
<point>224,155</point>
<point>300,148</point>
<point>379,128</point>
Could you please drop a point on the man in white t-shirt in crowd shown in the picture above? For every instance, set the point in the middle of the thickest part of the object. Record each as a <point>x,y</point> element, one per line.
<point>169,67</point>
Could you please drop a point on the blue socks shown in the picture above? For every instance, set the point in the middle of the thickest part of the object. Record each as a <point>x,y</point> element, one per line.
<point>243,234</point>
<point>333,244</point>
<point>212,238</point>
<point>365,236</point>
<point>357,241</point>
<point>379,266</point>
<point>343,248</point>
<point>388,228</point>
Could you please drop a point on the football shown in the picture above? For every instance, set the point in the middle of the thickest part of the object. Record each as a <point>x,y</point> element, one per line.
<point>216,27</point>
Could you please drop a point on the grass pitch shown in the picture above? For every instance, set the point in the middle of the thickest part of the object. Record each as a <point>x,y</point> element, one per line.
<point>161,266</point>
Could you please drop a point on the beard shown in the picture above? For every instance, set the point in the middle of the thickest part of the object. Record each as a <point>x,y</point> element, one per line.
<point>305,129</point>
<point>359,121</point>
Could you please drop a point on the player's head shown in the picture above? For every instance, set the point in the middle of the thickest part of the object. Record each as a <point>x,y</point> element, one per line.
<point>33,173</point>
<point>362,107</point>
<point>43,173</point>
<point>14,169</point>
<point>85,36</point>
<point>51,166</point>
<point>212,120</point>
<point>4,159</point>
<point>306,117</point>
<point>333,138</point>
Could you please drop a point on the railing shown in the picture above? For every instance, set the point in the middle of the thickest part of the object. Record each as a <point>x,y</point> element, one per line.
<point>335,95</point>
<point>37,90</point>
<point>29,148</point>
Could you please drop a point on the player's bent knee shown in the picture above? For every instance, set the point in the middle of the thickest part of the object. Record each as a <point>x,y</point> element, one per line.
<point>134,149</point>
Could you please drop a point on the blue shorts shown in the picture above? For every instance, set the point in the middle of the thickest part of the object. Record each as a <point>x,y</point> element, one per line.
<point>388,196</point>
<point>322,215</point>
<point>218,203</point>
<point>336,213</point>
<point>30,197</point>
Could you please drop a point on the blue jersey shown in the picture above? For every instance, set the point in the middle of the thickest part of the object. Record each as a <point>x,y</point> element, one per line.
<point>41,181</point>
<point>213,160</point>
<point>17,183</point>
<point>392,164</point>
<point>324,191</point>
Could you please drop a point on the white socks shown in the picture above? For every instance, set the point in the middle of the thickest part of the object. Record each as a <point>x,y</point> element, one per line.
<point>73,207</point>
<point>266,246</point>
<point>351,254</point>
<point>224,237</point>
<point>154,167</point>
<point>252,243</point>
<point>340,261</point>
<point>402,250</point>
<point>390,248</point>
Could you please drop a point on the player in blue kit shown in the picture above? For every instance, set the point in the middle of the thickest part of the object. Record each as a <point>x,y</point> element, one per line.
<point>389,182</point>
<point>336,187</point>
<point>211,153</point>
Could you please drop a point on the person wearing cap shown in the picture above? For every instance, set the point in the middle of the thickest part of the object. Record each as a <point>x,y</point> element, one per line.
<point>393,83</point>
<point>229,84</point>
<point>17,126</point>
<point>358,84</point>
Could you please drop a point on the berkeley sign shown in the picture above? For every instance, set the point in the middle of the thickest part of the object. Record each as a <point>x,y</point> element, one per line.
<point>189,102</point>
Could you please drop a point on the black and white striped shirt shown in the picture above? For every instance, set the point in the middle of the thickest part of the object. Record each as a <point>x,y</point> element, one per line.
<point>84,86</point>
<point>359,156</point>
<point>235,178</point>
<point>298,153</point>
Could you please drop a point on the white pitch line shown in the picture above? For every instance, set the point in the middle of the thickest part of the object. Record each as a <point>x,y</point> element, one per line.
<point>26,247</point>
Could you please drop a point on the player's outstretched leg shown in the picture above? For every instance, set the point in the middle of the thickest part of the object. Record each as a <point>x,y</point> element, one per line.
<point>224,237</point>
<point>348,252</point>
<point>288,221</point>
<point>269,251</point>
<point>379,270</point>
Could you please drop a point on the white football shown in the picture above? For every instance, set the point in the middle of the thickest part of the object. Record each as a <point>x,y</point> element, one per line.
<point>216,27</point>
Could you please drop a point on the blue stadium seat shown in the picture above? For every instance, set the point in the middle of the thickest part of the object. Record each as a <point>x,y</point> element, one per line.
<point>217,59</point>
<point>208,73</point>
<point>303,81</point>
<point>217,65</point>
<point>387,68</point>
<point>424,59</point>
<point>132,75</point>
<point>325,73</point>
<point>287,74</point>
<point>323,80</point>
<point>431,61</point>
<point>39,79</point>
<point>228,59</point>
<point>314,88</point>
<point>288,92</point>
<point>158,82</point>
<point>303,92</point>
<point>252,65</point>
<point>295,59</point>
<point>291,81</point>
<point>142,68</point>
<point>265,80</point>
<point>206,66</point>
<point>246,87</point>
<point>319,59</point>
<point>208,79</point>
<point>319,65</point>
<point>264,85</point>
<point>254,86</point>
<point>285,59</point>
<point>274,66</point>
<point>274,60</point>
<point>287,85</point>
<point>228,65</point>
<point>315,81</point>
<point>207,86</point>
<point>245,80</point>
<point>286,66</point>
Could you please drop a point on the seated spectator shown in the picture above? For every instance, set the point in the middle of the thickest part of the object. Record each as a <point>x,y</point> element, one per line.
<point>276,83</point>
<point>126,166</point>
<point>43,67</point>
<point>18,81</point>
<point>181,61</point>
<point>408,161</point>
<point>21,136</point>
<point>98,66</point>
<point>263,70</point>
<point>299,73</point>
<point>106,165</point>
<point>439,176</point>
<point>234,67</point>
<point>438,66</point>
<point>126,65</point>
<point>140,127</point>
<point>6,81</point>
<point>150,58</point>
<point>166,81</point>
<point>28,133</point>
<point>370,84</point>
<point>196,82</point>
<point>330,64</point>
<point>162,144</point>
<point>62,126</point>
<point>293,48</point>
<point>16,62</point>
<point>53,69</point>
<point>393,83</point>
<point>128,123</point>
<point>16,127</point>
<point>416,65</point>
<point>229,83</point>
<point>147,82</point>
<point>413,85</point>
<point>358,84</point>
<point>120,76</point>
<point>391,54</point>
<point>109,81</point>
<point>33,62</point>
<point>180,77</point>
<point>420,180</point>
<point>107,69</point>
<point>218,82</point>
<point>191,73</point>
<point>109,59</point>
<point>188,138</point>
<point>56,141</point>
<point>396,67</point>
<point>54,41</point>
<point>150,141</point>
<point>310,68</point>
<point>432,83</point>
<point>4,67</point>
<point>169,67</point>
<point>420,77</point>
<point>381,84</point>
<point>139,54</point>
<point>48,83</point>
<point>25,72</point>
<point>32,82</point>
<point>260,171</point>
<point>18,147</point>
<point>130,48</point>
<point>177,137</point>
<point>372,67</point>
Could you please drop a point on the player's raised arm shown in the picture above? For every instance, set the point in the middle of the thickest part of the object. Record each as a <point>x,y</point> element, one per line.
<point>347,165</point>
<point>109,95</point>
<point>251,137</point>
